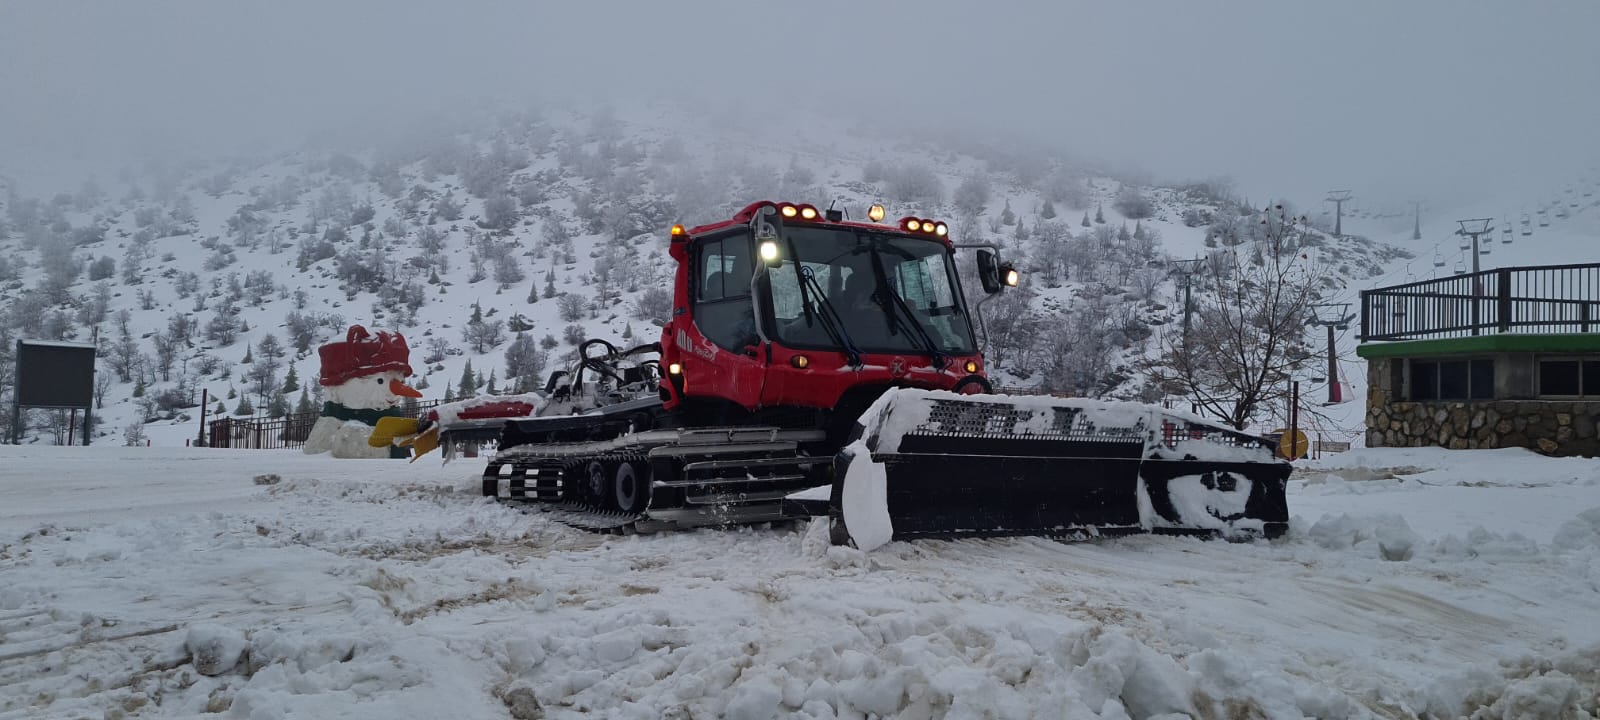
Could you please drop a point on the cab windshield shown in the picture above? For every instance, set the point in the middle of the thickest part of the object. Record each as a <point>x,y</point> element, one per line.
<point>861,274</point>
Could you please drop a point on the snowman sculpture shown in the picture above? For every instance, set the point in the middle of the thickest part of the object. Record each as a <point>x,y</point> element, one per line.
<point>363,380</point>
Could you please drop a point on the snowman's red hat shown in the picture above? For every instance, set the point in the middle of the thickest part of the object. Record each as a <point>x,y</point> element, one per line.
<point>363,354</point>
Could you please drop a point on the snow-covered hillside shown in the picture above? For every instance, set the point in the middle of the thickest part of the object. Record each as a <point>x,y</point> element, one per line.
<point>548,228</point>
<point>171,582</point>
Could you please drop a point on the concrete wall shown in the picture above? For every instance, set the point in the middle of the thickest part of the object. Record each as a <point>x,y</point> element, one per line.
<point>1553,427</point>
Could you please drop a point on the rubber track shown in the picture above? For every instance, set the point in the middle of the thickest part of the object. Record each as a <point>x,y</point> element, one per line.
<point>587,517</point>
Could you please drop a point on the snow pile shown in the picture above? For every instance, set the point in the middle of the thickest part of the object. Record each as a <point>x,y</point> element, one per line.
<point>214,649</point>
<point>1384,536</point>
<point>1579,534</point>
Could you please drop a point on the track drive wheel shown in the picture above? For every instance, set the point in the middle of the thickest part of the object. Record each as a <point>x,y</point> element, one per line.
<point>631,487</point>
<point>597,486</point>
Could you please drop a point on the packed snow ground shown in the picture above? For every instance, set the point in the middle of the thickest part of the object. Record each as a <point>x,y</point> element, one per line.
<point>155,582</point>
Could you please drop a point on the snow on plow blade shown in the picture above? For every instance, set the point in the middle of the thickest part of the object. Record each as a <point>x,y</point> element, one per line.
<point>937,464</point>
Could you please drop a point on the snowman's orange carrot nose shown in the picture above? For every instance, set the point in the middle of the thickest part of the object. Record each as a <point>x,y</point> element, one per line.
<point>403,390</point>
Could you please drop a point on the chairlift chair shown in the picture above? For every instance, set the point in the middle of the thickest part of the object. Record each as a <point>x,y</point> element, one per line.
<point>1438,260</point>
<point>1461,268</point>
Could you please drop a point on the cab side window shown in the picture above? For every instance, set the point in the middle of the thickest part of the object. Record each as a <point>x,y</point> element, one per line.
<point>723,308</point>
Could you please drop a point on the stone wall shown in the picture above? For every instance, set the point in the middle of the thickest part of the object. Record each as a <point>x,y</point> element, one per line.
<point>1553,427</point>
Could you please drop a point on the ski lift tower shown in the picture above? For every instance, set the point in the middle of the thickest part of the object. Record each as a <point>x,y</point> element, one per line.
<point>1335,316</point>
<point>1338,198</point>
<point>1187,268</point>
<point>1474,228</point>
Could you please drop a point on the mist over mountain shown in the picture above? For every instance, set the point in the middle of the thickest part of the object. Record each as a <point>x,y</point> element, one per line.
<point>1424,100</point>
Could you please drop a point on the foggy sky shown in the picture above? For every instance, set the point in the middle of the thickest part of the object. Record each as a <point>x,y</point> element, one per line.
<point>1429,98</point>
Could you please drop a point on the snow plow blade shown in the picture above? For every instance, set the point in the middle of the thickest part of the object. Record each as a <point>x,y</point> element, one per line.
<point>938,464</point>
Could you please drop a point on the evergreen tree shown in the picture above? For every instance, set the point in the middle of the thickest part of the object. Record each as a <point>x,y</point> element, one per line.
<point>291,382</point>
<point>468,386</point>
<point>522,359</point>
<point>627,331</point>
<point>549,342</point>
<point>248,359</point>
<point>1138,231</point>
<point>277,407</point>
<point>1123,234</point>
<point>221,409</point>
<point>1099,214</point>
<point>1049,211</point>
<point>550,283</point>
<point>489,388</point>
<point>448,395</point>
<point>138,390</point>
<point>533,293</point>
<point>1021,232</point>
<point>1006,216</point>
<point>303,405</point>
<point>245,408</point>
<point>1085,222</point>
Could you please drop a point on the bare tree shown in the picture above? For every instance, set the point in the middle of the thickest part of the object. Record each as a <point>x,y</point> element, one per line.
<point>1012,327</point>
<point>1246,336</point>
<point>167,346</point>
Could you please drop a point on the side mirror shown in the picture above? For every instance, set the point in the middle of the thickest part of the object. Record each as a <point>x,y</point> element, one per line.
<point>989,270</point>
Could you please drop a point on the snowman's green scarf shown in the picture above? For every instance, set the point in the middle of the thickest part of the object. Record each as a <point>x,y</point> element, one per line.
<point>367,417</point>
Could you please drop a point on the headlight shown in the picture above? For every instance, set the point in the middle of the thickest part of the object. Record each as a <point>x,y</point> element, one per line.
<point>769,251</point>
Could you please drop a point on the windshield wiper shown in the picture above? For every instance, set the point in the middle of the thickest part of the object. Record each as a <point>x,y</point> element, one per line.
<point>831,322</point>
<point>920,336</point>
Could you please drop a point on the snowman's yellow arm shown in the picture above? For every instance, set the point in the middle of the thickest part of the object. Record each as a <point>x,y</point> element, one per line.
<point>403,432</point>
<point>389,428</point>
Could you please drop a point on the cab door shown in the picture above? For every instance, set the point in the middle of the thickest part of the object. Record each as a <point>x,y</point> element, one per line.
<point>727,359</point>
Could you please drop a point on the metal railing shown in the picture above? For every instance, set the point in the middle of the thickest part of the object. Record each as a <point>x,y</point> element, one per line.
<point>1532,299</point>
<point>275,433</point>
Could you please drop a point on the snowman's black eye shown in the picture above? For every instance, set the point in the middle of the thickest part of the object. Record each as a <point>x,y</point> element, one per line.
<point>378,380</point>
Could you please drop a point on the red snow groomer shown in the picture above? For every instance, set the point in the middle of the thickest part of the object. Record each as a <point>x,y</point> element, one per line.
<point>819,366</point>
